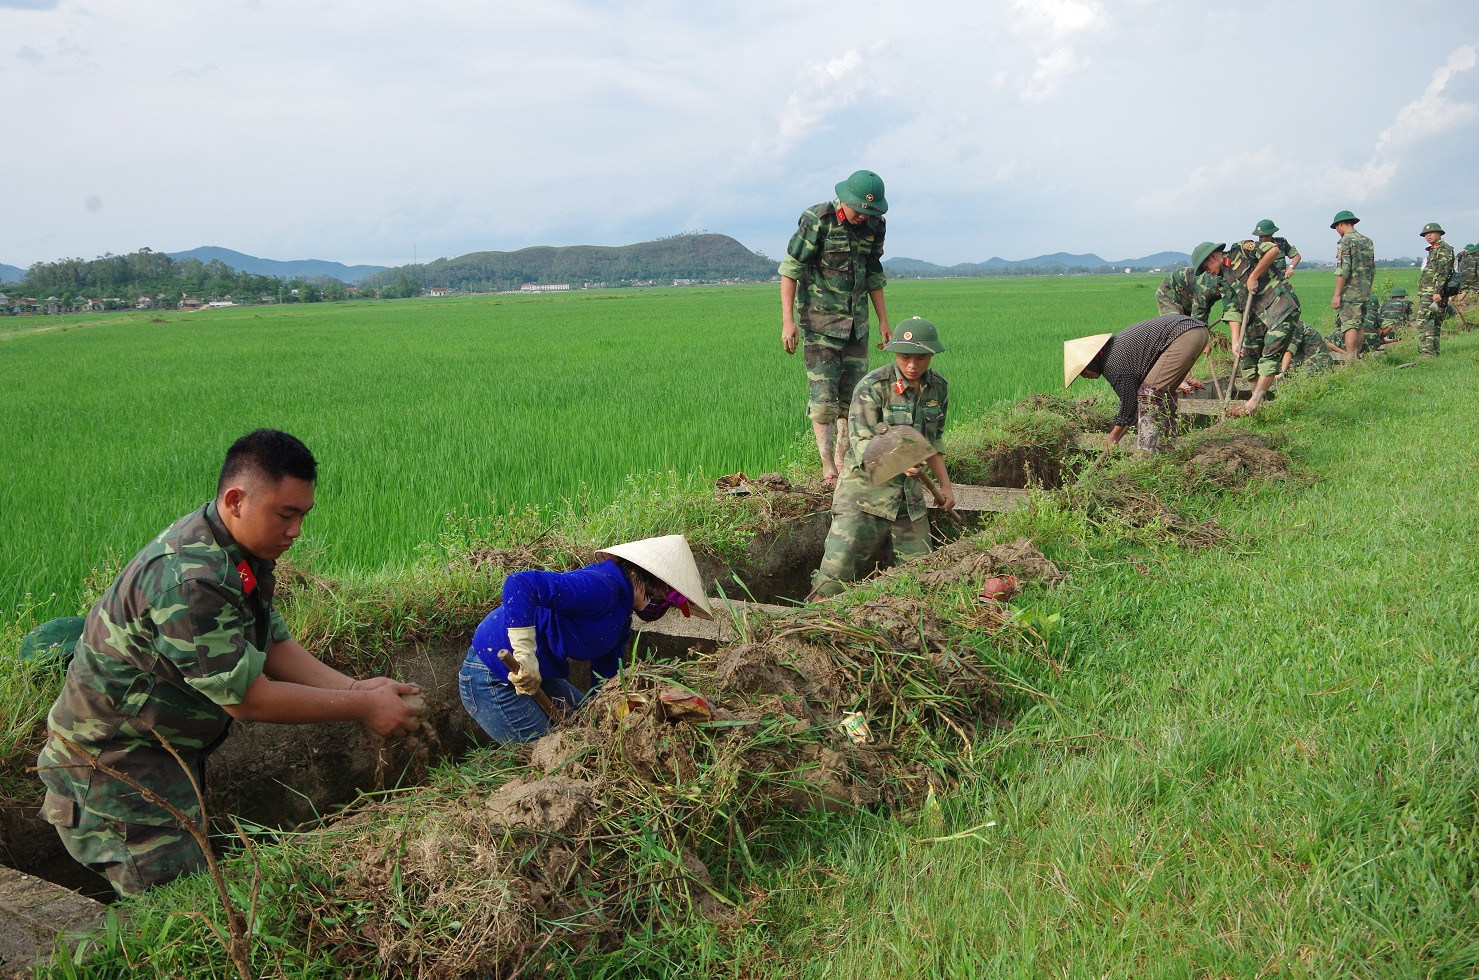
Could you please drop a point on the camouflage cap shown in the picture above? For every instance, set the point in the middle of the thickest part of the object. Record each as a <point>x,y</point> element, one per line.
<point>1266,227</point>
<point>1344,216</point>
<point>863,191</point>
<point>54,640</point>
<point>1398,293</point>
<point>915,335</point>
<point>1205,251</point>
<point>1430,227</point>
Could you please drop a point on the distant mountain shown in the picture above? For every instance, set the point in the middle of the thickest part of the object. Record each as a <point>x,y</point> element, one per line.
<point>700,257</point>
<point>9,273</point>
<point>296,269</point>
<point>1054,262</point>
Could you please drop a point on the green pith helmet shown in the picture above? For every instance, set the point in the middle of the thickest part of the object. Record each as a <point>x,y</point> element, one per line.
<point>1399,293</point>
<point>863,191</point>
<point>915,335</point>
<point>1266,227</point>
<point>1473,249</point>
<point>54,640</point>
<point>1431,226</point>
<point>1343,216</point>
<point>1203,252</point>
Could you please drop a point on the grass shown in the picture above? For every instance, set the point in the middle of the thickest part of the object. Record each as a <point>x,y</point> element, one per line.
<point>1250,760</point>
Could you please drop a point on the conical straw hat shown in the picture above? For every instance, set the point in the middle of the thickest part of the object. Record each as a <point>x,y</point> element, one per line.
<point>1078,353</point>
<point>670,559</point>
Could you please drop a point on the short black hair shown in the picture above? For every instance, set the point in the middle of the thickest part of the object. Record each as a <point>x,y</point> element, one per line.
<point>270,453</point>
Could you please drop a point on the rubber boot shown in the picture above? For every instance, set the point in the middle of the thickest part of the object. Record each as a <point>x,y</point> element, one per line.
<point>1170,418</point>
<point>1147,421</point>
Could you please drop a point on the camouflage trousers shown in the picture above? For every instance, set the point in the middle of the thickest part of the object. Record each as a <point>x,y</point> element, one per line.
<point>834,366</point>
<point>1351,316</point>
<point>1264,345</point>
<point>132,856</point>
<point>1307,350</point>
<point>855,537</point>
<point>1428,330</point>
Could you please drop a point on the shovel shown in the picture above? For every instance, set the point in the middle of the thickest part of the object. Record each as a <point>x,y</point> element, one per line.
<point>897,450</point>
<point>540,698</point>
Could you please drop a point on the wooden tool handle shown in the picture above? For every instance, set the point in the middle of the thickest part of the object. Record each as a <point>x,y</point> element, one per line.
<point>508,660</point>
<point>924,477</point>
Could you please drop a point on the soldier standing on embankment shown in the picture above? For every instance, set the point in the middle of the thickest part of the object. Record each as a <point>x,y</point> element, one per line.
<point>1466,303</point>
<point>1355,268</point>
<point>832,269</point>
<point>1437,269</point>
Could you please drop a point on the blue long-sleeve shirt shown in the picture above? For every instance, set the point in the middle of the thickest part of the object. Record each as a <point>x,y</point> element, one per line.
<point>581,615</point>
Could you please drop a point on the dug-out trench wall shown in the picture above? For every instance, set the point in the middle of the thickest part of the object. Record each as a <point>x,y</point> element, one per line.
<point>286,775</point>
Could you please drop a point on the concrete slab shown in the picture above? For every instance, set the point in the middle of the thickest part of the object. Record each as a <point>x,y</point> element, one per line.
<point>987,500</point>
<point>34,912</point>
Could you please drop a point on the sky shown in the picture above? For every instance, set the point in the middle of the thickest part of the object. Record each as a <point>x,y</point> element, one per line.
<point>386,132</point>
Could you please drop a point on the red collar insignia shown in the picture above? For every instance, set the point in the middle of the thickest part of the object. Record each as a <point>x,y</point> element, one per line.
<point>248,580</point>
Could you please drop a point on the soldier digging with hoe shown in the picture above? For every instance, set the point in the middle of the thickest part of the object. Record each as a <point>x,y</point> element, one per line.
<point>905,392</point>
<point>184,641</point>
<point>832,269</point>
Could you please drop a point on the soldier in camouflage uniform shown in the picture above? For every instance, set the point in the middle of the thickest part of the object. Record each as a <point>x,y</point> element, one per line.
<point>1308,351</point>
<point>832,269</point>
<point>1431,289</point>
<point>1394,313</point>
<point>905,392</point>
<point>1270,308</point>
<point>1355,268</point>
<point>1193,291</point>
<point>1466,302</point>
<point>185,640</point>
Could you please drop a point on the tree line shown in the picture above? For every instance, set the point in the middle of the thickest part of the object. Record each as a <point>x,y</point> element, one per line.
<point>152,274</point>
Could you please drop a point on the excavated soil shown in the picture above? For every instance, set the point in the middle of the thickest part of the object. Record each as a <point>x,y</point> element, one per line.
<point>1236,460</point>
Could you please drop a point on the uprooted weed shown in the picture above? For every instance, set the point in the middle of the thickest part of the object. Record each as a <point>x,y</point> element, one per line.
<point>647,806</point>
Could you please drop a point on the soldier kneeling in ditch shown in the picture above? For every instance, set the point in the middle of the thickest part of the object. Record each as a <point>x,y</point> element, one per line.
<point>1146,365</point>
<point>905,392</point>
<point>185,640</point>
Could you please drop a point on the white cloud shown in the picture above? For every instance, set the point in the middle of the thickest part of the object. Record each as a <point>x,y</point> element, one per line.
<point>826,87</point>
<point>1432,113</point>
<point>1058,19</point>
<point>1051,69</point>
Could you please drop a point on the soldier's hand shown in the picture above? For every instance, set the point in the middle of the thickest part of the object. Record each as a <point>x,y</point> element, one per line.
<point>389,714</point>
<point>373,683</point>
<point>948,495</point>
<point>886,334</point>
<point>1335,302</point>
<point>790,338</point>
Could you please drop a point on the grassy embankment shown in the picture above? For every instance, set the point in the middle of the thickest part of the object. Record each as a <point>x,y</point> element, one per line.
<point>1254,760</point>
<point>1247,760</point>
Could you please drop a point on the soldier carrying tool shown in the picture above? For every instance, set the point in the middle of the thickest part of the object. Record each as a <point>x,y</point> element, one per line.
<point>904,393</point>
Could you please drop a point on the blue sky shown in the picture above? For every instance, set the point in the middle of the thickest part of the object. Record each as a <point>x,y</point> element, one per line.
<point>373,131</point>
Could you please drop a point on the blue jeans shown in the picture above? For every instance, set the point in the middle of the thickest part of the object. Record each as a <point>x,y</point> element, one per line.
<point>505,714</point>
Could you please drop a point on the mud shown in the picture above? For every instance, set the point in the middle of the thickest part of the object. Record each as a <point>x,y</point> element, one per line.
<point>1236,460</point>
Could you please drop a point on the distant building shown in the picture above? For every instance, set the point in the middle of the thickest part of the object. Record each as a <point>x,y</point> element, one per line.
<point>440,291</point>
<point>544,287</point>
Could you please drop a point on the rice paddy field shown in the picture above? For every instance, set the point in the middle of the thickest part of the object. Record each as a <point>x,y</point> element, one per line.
<point>426,414</point>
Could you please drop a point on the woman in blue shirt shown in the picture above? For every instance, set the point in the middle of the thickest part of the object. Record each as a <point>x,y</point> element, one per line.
<point>550,618</point>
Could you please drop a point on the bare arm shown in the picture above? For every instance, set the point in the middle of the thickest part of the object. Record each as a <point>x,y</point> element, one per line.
<point>296,688</point>
<point>876,295</point>
<point>1116,433</point>
<point>1266,260</point>
<point>790,339</point>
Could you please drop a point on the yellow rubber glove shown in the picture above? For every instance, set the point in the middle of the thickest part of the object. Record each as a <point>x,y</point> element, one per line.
<point>526,679</point>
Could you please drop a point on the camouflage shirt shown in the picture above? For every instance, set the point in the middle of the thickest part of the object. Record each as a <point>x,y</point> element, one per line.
<point>835,266</point>
<point>883,398</point>
<point>1355,260</point>
<point>1177,294</point>
<point>1468,266</point>
<point>184,630</point>
<point>1436,272</point>
<point>1396,310</point>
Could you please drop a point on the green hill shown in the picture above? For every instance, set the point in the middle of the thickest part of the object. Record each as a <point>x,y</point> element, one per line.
<point>705,257</point>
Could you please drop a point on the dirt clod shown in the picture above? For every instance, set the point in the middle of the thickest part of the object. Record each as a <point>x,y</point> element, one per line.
<point>1237,460</point>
